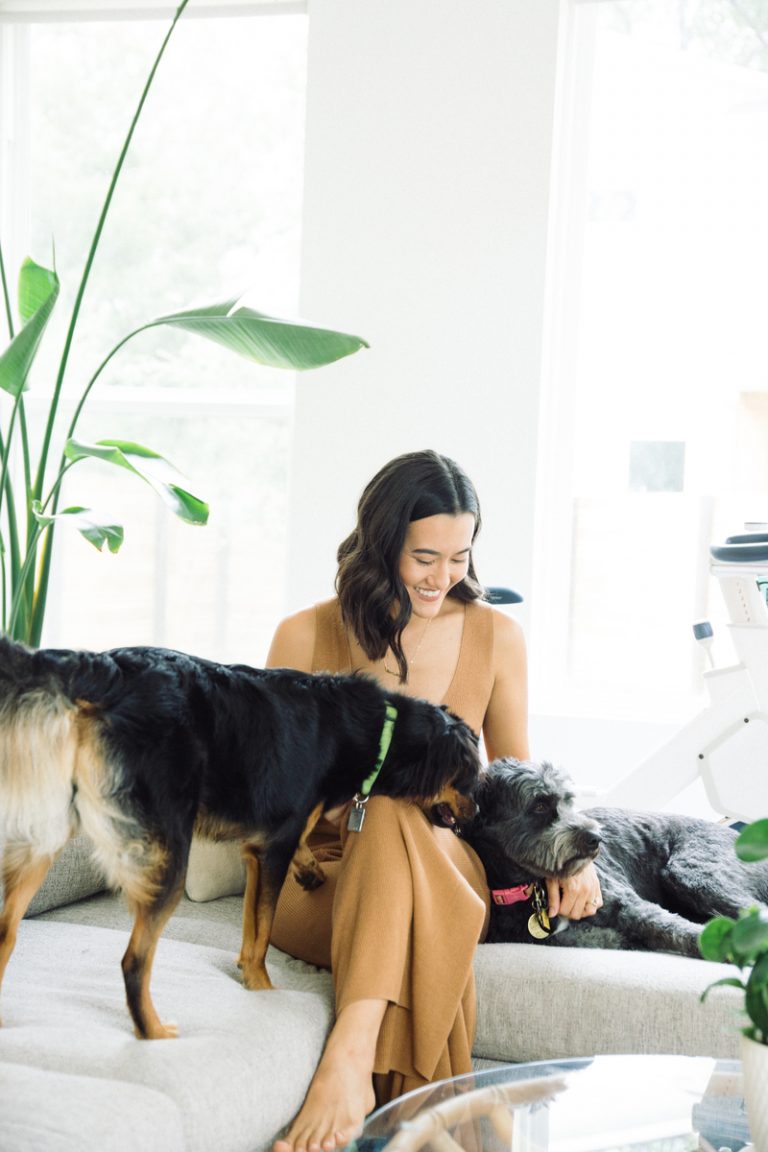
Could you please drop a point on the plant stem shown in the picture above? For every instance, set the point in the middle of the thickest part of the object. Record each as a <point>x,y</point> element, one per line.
<point>6,297</point>
<point>35,532</point>
<point>19,596</point>
<point>92,254</point>
<point>94,378</point>
<point>56,486</point>
<point>38,606</point>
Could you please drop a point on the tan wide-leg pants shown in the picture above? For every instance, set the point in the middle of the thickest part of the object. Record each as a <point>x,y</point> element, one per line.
<point>398,918</point>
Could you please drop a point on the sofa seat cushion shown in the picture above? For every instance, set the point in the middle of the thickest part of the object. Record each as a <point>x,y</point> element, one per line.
<point>238,1071</point>
<point>73,876</point>
<point>43,1111</point>
<point>544,1003</point>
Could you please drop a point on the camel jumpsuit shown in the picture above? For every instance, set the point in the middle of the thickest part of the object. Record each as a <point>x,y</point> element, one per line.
<point>405,903</point>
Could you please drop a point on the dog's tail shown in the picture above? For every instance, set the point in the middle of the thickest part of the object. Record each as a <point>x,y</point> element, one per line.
<point>37,752</point>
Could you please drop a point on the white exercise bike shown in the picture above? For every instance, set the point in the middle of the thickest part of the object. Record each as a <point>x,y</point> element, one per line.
<point>727,743</point>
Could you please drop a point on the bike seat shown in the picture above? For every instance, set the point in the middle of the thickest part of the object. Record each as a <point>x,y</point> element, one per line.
<point>749,548</point>
<point>496,595</point>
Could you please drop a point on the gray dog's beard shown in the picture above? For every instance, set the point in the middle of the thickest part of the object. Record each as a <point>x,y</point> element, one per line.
<point>554,853</point>
<point>564,853</point>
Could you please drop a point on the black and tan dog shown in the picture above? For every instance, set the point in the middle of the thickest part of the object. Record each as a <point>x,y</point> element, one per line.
<point>139,747</point>
<point>662,875</point>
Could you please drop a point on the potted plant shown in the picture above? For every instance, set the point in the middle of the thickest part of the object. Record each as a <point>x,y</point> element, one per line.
<point>744,942</point>
<point>31,481</point>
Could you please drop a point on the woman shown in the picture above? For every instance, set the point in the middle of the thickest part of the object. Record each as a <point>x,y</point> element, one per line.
<point>405,903</point>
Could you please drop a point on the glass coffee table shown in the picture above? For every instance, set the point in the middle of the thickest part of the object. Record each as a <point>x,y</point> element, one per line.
<point>602,1104</point>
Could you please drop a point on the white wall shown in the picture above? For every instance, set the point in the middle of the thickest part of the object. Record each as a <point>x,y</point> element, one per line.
<point>430,135</point>
<point>429,139</point>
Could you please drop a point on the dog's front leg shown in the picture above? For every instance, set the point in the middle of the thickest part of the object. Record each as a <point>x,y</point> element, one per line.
<point>306,868</point>
<point>265,872</point>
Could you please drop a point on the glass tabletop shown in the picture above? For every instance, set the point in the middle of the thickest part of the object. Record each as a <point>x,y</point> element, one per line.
<point>601,1104</point>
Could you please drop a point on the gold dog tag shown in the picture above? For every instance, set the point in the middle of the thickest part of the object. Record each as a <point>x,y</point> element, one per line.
<point>539,926</point>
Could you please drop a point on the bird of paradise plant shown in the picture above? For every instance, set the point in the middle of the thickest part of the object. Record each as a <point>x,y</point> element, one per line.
<point>29,506</point>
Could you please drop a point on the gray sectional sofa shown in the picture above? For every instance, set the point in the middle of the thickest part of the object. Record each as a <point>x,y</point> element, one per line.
<point>74,1079</point>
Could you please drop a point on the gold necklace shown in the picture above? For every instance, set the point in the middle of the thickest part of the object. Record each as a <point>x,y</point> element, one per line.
<point>411,661</point>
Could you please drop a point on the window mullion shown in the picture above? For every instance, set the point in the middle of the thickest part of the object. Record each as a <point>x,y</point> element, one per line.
<point>41,11</point>
<point>14,144</point>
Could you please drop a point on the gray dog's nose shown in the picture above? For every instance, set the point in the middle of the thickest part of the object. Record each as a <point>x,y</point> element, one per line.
<point>590,840</point>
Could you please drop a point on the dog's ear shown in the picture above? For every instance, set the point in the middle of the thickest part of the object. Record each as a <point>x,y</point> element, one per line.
<point>488,787</point>
<point>453,755</point>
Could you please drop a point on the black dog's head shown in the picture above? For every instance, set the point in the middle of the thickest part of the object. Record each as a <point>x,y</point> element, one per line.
<point>527,819</point>
<point>434,759</point>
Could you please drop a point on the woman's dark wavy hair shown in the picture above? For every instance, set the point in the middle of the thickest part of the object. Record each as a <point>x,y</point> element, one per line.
<point>368,583</point>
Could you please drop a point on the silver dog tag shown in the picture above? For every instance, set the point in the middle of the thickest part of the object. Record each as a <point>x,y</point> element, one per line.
<point>356,817</point>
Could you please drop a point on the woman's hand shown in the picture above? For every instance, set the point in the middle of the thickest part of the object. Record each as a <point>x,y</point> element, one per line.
<point>337,815</point>
<point>576,897</point>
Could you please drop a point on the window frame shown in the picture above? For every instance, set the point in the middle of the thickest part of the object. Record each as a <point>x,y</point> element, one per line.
<point>17,17</point>
<point>40,11</point>
<point>554,687</point>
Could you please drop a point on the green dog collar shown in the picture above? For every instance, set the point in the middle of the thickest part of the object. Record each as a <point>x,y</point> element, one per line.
<point>384,743</point>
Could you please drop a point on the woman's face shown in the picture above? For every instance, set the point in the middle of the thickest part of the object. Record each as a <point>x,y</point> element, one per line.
<point>434,558</point>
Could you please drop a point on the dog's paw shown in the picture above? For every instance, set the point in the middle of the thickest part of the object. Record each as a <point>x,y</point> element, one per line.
<point>159,1031</point>
<point>255,977</point>
<point>310,876</point>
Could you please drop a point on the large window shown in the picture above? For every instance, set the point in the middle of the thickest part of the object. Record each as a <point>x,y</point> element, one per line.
<point>208,208</point>
<point>657,418</point>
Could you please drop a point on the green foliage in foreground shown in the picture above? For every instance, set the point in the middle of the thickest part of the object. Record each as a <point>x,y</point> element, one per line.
<point>744,941</point>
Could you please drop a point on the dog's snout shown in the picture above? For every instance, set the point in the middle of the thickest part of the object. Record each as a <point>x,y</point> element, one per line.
<point>590,840</point>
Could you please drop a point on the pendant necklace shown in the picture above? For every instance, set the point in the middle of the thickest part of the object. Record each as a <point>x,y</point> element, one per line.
<point>412,660</point>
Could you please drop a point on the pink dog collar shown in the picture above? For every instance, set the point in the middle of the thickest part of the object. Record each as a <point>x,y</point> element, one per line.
<point>512,895</point>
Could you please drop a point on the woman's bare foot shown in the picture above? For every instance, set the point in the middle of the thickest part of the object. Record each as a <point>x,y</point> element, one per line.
<point>341,1093</point>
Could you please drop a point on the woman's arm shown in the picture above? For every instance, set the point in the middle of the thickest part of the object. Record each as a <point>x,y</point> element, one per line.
<point>505,727</point>
<point>293,643</point>
<point>505,731</point>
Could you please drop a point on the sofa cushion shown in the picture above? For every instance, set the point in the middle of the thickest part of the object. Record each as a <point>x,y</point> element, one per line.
<point>541,1003</point>
<point>238,1071</point>
<point>81,1112</point>
<point>215,869</point>
<point>73,876</point>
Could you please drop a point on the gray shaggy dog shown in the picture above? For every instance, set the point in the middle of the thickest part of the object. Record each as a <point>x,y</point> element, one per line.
<point>662,876</point>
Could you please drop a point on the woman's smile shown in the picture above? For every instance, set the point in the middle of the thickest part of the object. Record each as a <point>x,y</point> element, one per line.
<point>435,558</point>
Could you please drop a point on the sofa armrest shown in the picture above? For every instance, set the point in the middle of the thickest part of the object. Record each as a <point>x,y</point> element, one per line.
<point>541,1003</point>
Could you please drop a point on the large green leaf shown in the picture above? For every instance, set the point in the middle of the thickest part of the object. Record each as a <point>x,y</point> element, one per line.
<point>96,531</point>
<point>750,935</point>
<point>756,998</point>
<point>265,339</point>
<point>38,292</point>
<point>36,284</point>
<point>715,939</point>
<point>161,475</point>
<point>752,842</point>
